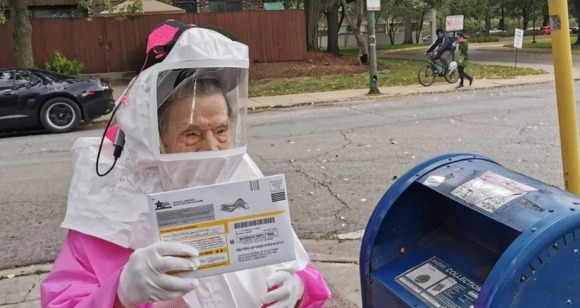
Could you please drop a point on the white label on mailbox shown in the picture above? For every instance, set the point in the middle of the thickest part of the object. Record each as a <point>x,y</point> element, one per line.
<point>490,191</point>
<point>439,285</point>
<point>434,180</point>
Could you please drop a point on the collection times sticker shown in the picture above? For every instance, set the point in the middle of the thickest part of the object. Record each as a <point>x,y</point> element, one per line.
<point>439,285</point>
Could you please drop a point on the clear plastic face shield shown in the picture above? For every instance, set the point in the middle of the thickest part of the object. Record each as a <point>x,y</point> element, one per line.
<point>200,111</point>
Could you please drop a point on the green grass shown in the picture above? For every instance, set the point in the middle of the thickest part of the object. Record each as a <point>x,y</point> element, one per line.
<point>543,43</point>
<point>400,73</point>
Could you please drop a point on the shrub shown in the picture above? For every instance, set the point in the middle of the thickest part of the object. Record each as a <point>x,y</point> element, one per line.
<point>61,64</point>
<point>220,30</point>
<point>531,32</point>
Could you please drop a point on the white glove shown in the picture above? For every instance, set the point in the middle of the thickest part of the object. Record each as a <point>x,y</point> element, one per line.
<point>145,278</point>
<point>289,291</point>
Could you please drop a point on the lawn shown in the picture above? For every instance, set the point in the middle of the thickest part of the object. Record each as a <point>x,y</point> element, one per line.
<point>396,73</point>
<point>543,43</point>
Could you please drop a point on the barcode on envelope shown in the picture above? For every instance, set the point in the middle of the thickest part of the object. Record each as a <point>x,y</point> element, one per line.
<point>254,185</point>
<point>252,223</point>
<point>279,196</point>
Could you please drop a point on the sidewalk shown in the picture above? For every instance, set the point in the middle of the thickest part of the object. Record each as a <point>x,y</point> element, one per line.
<point>337,261</point>
<point>265,103</point>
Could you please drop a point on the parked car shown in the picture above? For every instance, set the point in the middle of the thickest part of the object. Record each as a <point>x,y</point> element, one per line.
<point>574,30</point>
<point>35,98</point>
<point>546,30</point>
<point>495,30</point>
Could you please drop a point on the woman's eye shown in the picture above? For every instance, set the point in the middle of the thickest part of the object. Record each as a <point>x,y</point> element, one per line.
<point>222,131</point>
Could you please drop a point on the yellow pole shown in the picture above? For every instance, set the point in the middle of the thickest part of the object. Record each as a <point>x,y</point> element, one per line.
<point>564,77</point>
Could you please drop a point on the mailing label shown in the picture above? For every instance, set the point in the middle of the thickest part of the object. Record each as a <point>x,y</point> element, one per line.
<point>490,191</point>
<point>234,226</point>
<point>439,285</point>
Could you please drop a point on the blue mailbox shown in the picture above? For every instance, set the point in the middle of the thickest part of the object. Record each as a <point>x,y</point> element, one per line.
<point>460,230</point>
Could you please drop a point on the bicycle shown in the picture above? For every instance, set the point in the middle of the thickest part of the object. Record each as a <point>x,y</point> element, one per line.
<point>426,74</point>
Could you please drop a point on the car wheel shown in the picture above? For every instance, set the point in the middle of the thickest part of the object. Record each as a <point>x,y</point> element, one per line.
<point>60,115</point>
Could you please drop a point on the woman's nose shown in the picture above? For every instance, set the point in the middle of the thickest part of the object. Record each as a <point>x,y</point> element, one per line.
<point>210,143</point>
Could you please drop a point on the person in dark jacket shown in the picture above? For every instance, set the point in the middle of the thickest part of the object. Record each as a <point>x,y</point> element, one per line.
<point>444,52</point>
<point>462,60</point>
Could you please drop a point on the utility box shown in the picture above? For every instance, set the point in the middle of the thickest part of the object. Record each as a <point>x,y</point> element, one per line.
<point>460,230</point>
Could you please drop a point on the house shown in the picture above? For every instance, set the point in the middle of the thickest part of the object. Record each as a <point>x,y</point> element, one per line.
<point>51,9</point>
<point>69,8</point>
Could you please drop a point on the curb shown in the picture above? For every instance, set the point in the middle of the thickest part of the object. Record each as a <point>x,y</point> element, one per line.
<point>366,97</point>
<point>34,269</point>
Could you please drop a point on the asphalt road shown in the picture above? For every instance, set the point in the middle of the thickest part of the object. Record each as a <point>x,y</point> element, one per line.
<point>338,160</point>
<point>483,54</point>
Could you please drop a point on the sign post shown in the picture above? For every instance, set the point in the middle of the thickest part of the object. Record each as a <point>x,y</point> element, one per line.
<point>372,6</point>
<point>518,43</point>
<point>565,93</point>
<point>454,23</point>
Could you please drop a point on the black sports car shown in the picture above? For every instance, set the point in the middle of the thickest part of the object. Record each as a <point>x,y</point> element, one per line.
<point>35,98</point>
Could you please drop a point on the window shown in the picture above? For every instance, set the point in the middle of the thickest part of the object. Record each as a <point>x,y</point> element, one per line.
<point>225,5</point>
<point>6,80</point>
<point>188,6</point>
<point>24,78</point>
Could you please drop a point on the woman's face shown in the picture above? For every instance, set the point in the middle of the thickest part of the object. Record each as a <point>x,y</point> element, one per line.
<point>205,128</point>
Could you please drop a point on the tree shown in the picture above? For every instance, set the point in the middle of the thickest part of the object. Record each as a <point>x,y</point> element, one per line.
<point>334,23</point>
<point>313,12</point>
<point>21,33</point>
<point>22,29</point>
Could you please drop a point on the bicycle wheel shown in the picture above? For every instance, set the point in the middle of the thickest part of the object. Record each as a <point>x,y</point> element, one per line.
<point>426,76</point>
<point>453,77</point>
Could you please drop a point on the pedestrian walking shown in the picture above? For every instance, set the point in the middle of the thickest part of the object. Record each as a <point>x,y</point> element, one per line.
<point>463,60</point>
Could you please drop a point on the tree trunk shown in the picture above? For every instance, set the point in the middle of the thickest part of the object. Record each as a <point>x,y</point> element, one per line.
<point>408,38</point>
<point>333,27</point>
<point>577,5</point>
<point>502,19</point>
<point>391,32</point>
<point>419,27</point>
<point>360,40</point>
<point>526,18</point>
<point>487,21</point>
<point>312,18</point>
<point>21,33</point>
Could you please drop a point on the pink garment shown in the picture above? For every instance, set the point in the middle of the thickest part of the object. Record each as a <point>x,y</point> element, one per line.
<point>86,274</point>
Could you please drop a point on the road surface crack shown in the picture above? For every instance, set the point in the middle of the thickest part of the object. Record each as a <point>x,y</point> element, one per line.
<point>315,181</point>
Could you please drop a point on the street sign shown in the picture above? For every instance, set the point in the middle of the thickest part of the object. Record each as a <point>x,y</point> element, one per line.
<point>373,5</point>
<point>519,38</point>
<point>454,23</point>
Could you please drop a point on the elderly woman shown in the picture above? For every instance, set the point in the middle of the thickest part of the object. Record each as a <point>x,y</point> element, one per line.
<point>184,125</point>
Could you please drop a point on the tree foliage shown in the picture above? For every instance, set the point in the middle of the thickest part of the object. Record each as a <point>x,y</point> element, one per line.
<point>97,6</point>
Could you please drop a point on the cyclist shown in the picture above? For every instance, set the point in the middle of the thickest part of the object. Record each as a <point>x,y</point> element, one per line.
<point>445,52</point>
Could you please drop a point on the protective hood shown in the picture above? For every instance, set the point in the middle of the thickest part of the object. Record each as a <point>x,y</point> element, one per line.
<point>114,207</point>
